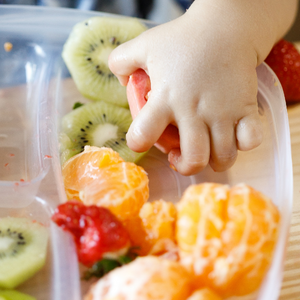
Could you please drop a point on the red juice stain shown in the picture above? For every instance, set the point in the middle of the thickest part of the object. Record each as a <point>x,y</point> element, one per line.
<point>11,155</point>
<point>47,156</point>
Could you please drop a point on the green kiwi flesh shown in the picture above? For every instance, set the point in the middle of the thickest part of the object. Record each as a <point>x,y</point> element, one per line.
<point>86,53</point>
<point>23,245</point>
<point>97,124</point>
<point>14,295</point>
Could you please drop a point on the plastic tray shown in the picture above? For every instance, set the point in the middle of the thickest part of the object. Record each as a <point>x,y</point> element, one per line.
<point>36,90</point>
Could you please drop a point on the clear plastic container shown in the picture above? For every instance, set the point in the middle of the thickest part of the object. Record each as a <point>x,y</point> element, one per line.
<point>36,91</point>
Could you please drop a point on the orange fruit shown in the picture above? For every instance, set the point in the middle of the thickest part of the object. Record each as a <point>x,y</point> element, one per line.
<point>204,294</point>
<point>146,278</point>
<point>226,237</point>
<point>121,187</point>
<point>153,231</point>
<point>137,235</point>
<point>84,167</point>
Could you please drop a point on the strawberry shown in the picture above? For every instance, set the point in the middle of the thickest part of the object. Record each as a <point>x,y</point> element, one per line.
<point>284,59</point>
<point>96,231</point>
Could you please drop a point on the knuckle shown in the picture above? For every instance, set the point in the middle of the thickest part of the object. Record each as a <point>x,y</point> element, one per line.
<point>223,161</point>
<point>227,157</point>
<point>194,164</point>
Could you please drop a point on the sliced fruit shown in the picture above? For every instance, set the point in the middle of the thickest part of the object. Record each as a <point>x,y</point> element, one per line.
<point>146,278</point>
<point>86,53</point>
<point>96,231</point>
<point>138,89</point>
<point>23,247</point>
<point>153,231</point>
<point>204,294</point>
<point>123,188</point>
<point>14,295</point>
<point>97,124</point>
<point>85,167</point>
<point>226,237</point>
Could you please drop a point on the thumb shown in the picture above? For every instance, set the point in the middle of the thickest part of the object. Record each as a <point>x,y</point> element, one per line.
<point>127,58</point>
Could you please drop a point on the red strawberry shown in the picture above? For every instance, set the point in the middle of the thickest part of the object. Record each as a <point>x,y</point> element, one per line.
<point>96,231</point>
<point>284,59</point>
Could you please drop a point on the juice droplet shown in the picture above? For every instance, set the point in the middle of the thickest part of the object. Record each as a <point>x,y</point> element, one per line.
<point>47,156</point>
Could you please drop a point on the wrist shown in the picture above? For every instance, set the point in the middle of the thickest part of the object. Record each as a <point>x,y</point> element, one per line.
<point>247,24</point>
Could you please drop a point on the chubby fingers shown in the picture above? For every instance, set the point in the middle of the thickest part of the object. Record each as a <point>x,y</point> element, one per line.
<point>249,132</point>
<point>127,58</point>
<point>194,152</point>
<point>223,151</point>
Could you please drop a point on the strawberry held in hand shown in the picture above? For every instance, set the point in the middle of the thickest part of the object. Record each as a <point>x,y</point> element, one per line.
<point>96,231</point>
<point>284,59</point>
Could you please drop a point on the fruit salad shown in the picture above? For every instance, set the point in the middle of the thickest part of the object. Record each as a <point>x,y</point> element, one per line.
<point>122,217</point>
<point>216,242</point>
<point>217,238</point>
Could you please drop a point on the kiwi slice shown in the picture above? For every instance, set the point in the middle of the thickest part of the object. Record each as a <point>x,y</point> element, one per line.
<point>98,124</point>
<point>86,53</point>
<point>23,244</point>
<point>14,295</point>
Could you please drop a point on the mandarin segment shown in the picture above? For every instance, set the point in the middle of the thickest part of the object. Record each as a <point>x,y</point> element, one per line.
<point>226,236</point>
<point>204,294</point>
<point>85,167</point>
<point>137,235</point>
<point>153,231</point>
<point>200,218</point>
<point>146,278</point>
<point>158,218</point>
<point>123,188</point>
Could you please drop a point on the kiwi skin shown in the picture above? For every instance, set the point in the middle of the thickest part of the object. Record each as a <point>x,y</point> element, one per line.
<point>98,124</point>
<point>86,54</point>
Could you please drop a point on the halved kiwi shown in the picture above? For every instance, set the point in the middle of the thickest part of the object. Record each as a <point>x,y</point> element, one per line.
<point>98,124</point>
<point>86,53</point>
<point>23,245</point>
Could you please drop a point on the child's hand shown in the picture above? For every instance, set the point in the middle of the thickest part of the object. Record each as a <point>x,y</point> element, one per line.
<point>203,80</point>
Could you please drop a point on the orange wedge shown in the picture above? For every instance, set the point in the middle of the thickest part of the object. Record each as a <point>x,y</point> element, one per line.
<point>226,237</point>
<point>84,167</point>
<point>146,278</point>
<point>122,188</point>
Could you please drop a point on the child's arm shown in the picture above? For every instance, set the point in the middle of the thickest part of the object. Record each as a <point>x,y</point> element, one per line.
<point>202,68</point>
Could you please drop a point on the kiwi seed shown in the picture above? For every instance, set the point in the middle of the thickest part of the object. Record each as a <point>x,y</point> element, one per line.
<point>97,124</point>
<point>86,55</point>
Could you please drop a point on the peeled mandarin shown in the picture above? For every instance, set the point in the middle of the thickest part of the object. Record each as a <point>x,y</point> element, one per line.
<point>226,237</point>
<point>123,188</point>
<point>146,278</point>
<point>204,294</point>
<point>85,167</point>
<point>153,231</point>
